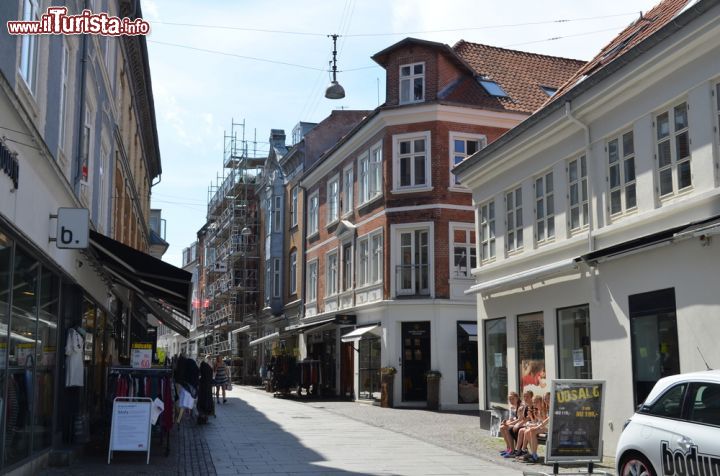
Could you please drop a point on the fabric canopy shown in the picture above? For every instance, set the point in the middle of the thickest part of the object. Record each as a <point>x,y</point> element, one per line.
<point>358,333</point>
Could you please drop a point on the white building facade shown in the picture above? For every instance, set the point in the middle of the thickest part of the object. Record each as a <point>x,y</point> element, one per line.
<point>604,256</point>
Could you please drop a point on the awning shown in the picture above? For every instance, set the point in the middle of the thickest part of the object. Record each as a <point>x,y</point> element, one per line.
<point>165,289</point>
<point>358,333</point>
<point>240,330</point>
<point>269,337</point>
<point>524,277</point>
<point>297,329</point>
<point>470,330</point>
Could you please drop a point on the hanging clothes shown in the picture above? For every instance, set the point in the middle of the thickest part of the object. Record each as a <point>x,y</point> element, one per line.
<point>74,347</point>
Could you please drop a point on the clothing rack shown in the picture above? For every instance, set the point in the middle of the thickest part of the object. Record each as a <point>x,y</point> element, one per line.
<point>152,383</point>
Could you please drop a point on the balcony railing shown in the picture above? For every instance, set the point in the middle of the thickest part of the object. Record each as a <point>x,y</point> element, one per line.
<point>412,280</point>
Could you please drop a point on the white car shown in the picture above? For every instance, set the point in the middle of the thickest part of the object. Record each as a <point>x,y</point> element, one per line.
<point>676,431</point>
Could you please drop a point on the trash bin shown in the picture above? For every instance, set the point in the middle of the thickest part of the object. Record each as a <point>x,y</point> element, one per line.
<point>433,390</point>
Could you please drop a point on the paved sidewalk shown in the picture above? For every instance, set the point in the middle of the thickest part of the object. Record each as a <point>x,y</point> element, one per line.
<point>255,433</point>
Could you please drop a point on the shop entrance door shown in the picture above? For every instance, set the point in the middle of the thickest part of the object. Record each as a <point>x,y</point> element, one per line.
<point>347,370</point>
<point>415,360</point>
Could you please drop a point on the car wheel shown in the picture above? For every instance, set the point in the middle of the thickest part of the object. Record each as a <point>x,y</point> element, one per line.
<point>636,464</point>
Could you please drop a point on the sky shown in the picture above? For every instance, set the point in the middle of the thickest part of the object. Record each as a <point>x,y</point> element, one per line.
<point>265,64</point>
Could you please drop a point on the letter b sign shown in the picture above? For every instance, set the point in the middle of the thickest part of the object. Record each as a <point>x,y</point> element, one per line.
<point>73,225</point>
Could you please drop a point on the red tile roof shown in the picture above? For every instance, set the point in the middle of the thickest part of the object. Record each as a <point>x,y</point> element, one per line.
<point>519,73</point>
<point>639,30</point>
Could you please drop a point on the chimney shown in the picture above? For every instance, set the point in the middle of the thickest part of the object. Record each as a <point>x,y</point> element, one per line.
<point>277,137</point>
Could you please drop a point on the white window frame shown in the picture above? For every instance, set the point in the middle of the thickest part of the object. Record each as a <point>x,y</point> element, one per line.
<point>453,155</point>
<point>104,203</point>
<point>277,207</point>
<point>370,261</point>
<point>293,272</point>
<point>675,162</point>
<point>578,200</point>
<point>468,250</point>
<point>375,180</point>
<point>62,113</point>
<point>376,258</point>
<point>333,200</point>
<point>363,262</point>
<point>409,81</point>
<point>514,224</point>
<point>395,232</point>
<point>276,277</point>
<point>332,272</point>
<point>487,220</point>
<point>348,204</point>
<point>397,157</point>
<point>347,267</point>
<point>294,206</point>
<point>312,281</point>
<point>619,168</point>
<point>28,66</point>
<point>314,213</point>
<point>541,201</point>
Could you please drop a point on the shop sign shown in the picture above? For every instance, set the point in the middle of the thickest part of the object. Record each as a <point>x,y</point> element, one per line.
<point>141,355</point>
<point>345,319</point>
<point>9,164</point>
<point>73,228</point>
<point>575,430</point>
<point>130,427</point>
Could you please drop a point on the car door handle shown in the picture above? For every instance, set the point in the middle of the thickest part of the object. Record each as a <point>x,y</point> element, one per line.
<point>685,443</point>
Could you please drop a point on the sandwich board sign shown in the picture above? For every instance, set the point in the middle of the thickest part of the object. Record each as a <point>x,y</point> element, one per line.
<point>130,428</point>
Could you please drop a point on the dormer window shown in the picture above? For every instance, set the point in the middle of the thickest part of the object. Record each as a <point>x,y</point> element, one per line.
<point>412,83</point>
<point>550,91</point>
<point>492,88</point>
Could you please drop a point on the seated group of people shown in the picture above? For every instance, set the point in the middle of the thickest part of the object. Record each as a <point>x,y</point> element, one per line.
<point>528,419</point>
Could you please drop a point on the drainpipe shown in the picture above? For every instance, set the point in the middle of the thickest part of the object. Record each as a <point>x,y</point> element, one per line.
<point>591,217</point>
<point>81,116</point>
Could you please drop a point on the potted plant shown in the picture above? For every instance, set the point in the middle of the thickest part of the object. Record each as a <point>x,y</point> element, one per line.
<point>387,378</point>
<point>433,389</point>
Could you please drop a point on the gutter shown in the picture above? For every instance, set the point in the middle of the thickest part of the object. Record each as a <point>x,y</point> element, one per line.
<point>81,116</point>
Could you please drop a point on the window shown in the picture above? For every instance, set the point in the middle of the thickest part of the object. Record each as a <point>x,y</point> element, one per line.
<point>268,282</point>
<point>574,342</point>
<point>370,259</point>
<point>412,83</point>
<point>370,174</point>
<point>347,202</point>
<point>29,47</point>
<point>705,403</point>
<point>363,262</point>
<point>577,193</point>
<point>531,352</point>
<point>276,277</point>
<point>544,208</point>
<point>492,88</point>
<point>293,272</point>
<point>87,144</point>
<point>621,173</point>
<point>313,212</point>
<point>514,220</point>
<point>312,282</point>
<point>276,213</point>
<point>673,150</point>
<point>294,207</point>
<point>550,91</point>
<point>413,272</point>
<point>63,96</point>
<point>486,215</point>
<point>347,267</point>
<point>411,164</point>
<point>333,200</point>
<point>332,274</point>
<point>463,146</point>
<point>496,374</point>
<point>464,252</point>
<point>467,362</point>
<point>669,404</point>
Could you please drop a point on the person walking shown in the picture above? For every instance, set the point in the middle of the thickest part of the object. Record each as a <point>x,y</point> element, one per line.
<point>221,378</point>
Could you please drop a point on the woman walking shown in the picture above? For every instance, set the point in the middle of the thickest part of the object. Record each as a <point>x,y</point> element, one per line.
<point>221,378</point>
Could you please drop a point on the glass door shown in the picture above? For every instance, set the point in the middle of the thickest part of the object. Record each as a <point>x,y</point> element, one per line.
<point>415,360</point>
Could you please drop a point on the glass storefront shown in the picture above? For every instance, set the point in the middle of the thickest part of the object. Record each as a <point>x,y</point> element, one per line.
<point>574,343</point>
<point>29,298</point>
<point>369,356</point>
<point>467,354</point>
<point>496,374</point>
<point>531,352</point>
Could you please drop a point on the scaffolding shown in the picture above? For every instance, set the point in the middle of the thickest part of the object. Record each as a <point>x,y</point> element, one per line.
<point>231,251</point>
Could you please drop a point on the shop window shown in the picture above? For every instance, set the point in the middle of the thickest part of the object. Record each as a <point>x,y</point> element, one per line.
<point>467,355</point>
<point>531,352</point>
<point>369,366</point>
<point>46,351</point>
<point>654,339</point>
<point>496,374</point>
<point>574,343</point>
<point>6,247</point>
